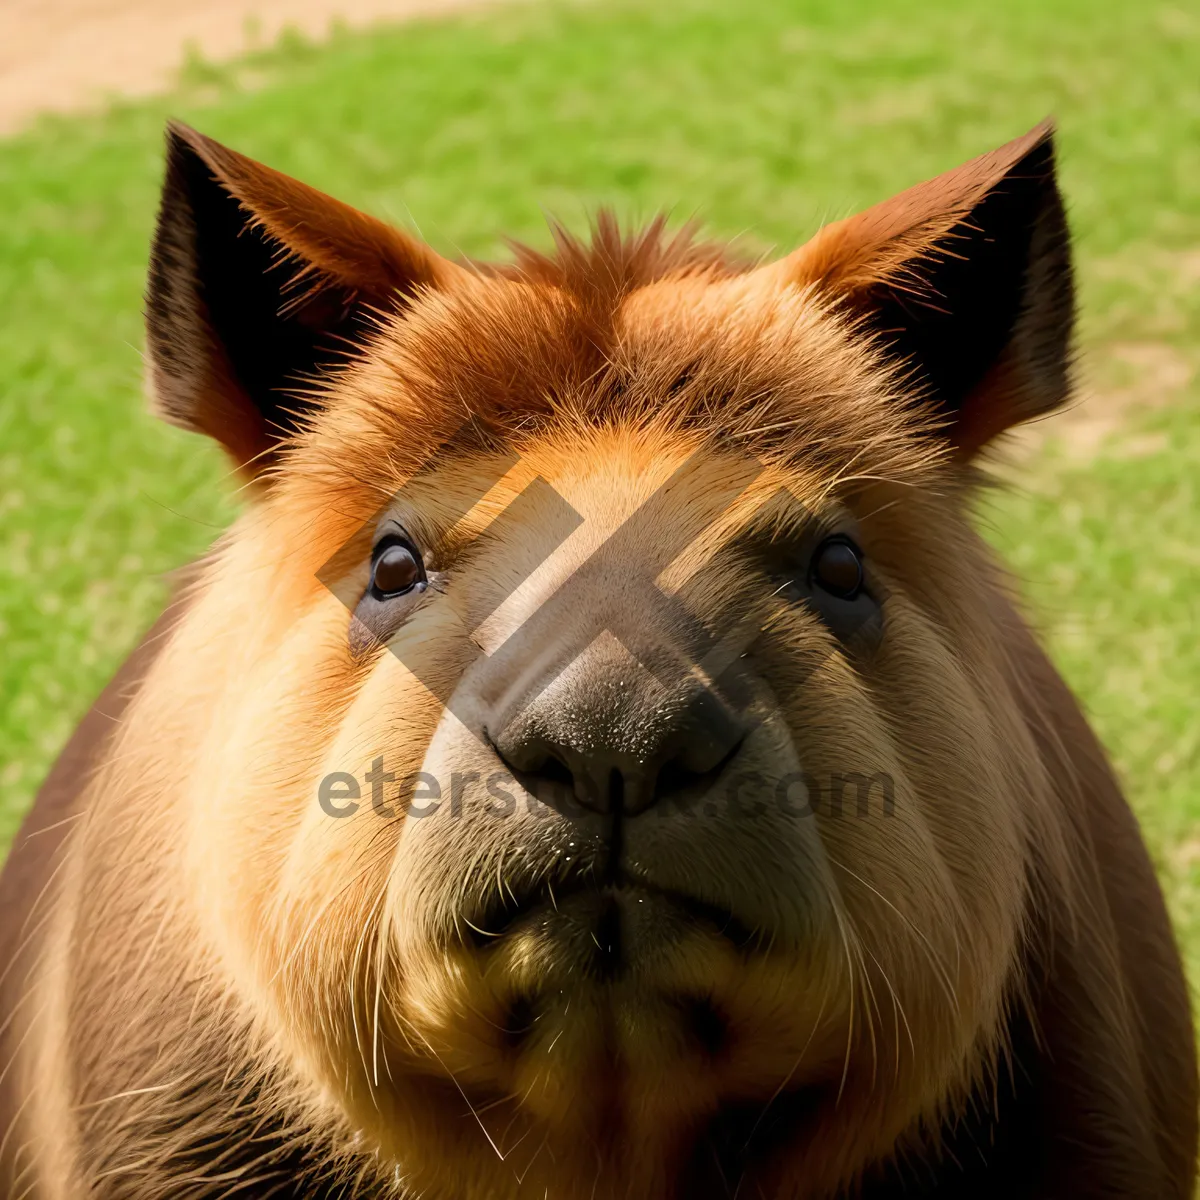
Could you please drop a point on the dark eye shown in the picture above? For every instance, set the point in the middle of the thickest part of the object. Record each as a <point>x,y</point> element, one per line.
<point>397,569</point>
<point>837,568</point>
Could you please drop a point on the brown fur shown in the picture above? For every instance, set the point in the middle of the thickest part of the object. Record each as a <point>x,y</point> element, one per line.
<point>216,989</point>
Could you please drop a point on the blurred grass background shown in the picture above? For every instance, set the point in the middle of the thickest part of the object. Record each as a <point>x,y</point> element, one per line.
<point>764,118</point>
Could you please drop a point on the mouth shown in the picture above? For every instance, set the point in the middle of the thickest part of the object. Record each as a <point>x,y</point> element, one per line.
<point>605,901</point>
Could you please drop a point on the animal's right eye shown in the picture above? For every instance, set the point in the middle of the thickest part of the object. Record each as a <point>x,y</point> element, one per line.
<point>397,569</point>
<point>398,581</point>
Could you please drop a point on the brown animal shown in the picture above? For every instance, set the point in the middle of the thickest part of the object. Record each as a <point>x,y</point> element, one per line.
<point>602,761</point>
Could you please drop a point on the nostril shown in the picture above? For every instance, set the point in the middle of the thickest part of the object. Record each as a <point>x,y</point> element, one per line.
<point>540,767</point>
<point>528,758</point>
<point>676,779</point>
<point>554,770</point>
<point>567,766</point>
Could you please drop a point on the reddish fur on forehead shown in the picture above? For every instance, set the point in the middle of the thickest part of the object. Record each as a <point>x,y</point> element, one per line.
<point>642,328</point>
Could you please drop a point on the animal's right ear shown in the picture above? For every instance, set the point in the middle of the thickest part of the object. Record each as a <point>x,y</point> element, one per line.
<point>257,283</point>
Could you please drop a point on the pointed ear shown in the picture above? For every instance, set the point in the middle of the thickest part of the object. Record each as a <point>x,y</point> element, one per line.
<point>966,278</point>
<point>257,282</point>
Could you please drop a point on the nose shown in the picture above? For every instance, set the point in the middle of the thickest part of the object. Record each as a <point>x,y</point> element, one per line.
<point>610,731</point>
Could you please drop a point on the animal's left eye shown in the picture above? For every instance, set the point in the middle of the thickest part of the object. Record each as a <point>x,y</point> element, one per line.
<point>397,569</point>
<point>836,586</point>
<point>837,568</point>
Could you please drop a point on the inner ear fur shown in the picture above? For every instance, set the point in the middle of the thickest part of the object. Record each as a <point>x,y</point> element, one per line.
<point>257,283</point>
<point>967,280</point>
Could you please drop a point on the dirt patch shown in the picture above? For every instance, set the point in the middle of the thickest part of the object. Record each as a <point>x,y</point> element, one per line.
<point>1148,361</point>
<point>1125,378</point>
<point>1141,376</point>
<point>70,55</point>
<point>1188,267</point>
<point>1185,856</point>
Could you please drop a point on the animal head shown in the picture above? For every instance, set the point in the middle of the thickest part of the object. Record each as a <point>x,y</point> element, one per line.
<point>603,760</point>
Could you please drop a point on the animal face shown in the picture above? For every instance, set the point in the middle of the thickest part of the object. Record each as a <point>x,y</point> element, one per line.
<point>606,760</point>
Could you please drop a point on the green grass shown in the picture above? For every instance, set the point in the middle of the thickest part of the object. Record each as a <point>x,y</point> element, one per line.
<point>764,118</point>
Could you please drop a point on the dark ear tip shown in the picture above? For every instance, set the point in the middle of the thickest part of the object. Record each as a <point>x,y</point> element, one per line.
<point>181,137</point>
<point>184,142</point>
<point>181,153</point>
<point>1038,143</point>
<point>1038,159</point>
<point>1045,129</point>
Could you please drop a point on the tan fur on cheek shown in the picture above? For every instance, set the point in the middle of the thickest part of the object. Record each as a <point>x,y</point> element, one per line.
<point>293,893</point>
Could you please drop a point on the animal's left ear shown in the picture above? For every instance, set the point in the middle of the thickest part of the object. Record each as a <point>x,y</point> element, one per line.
<point>967,278</point>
